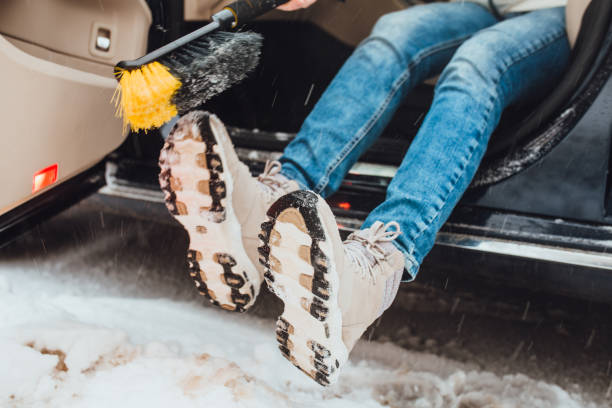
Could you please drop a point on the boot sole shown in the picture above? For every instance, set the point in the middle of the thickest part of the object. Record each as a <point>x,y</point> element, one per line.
<point>297,254</point>
<point>198,194</point>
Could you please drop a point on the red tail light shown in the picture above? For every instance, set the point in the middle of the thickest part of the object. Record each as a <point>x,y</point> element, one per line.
<point>44,178</point>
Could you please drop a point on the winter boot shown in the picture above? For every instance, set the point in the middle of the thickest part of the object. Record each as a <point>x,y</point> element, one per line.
<point>221,206</point>
<point>332,291</point>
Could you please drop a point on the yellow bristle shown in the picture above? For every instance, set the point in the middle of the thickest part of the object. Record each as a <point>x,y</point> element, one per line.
<point>144,96</point>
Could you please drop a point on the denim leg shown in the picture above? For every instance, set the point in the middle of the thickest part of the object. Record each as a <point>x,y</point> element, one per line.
<point>404,49</point>
<point>499,66</point>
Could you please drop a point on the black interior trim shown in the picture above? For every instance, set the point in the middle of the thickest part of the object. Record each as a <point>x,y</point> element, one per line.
<point>30,214</point>
<point>524,156</point>
<point>495,10</point>
<point>167,22</point>
<point>594,27</point>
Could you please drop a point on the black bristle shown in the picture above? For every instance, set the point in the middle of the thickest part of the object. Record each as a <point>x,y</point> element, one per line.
<point>222,59</point>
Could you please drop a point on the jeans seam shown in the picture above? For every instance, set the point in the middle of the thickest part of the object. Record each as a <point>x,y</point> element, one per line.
<point>384,40</point>
<point>547,41</point>
<point>408,258</point>
<point>348,148</point>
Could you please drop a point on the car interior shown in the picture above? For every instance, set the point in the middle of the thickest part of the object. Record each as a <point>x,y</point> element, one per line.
<point>295,70</point>
<point>303,51</point>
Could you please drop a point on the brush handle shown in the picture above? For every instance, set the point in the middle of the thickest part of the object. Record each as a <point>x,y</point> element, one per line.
<point>231,16</point>
<point>247,10</point>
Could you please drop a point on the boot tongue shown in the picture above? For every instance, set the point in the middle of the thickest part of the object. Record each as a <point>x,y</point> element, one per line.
<point>360,247</point>
<point>374,243</point>
<point>388,247</point>
<point>281,179</point>
<point>359,241</point>
<point>273,183</point>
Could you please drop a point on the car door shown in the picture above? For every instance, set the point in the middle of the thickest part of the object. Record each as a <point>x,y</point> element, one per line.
<point>56,62</point>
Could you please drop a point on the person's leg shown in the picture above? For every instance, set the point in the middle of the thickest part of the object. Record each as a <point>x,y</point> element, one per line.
<point>499,66</point>
<point>404,49</point>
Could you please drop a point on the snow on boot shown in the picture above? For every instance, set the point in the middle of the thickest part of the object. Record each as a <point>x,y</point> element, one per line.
<point>332,291</point>
<point>221,206</point>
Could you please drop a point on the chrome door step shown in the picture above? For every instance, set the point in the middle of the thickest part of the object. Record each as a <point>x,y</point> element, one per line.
<point>472,229</point>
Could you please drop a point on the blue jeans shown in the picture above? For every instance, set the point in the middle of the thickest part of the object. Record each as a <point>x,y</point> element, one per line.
<point>485,66</point>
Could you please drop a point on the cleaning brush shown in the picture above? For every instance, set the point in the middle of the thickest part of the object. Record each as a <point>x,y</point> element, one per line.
<point>187,72</point>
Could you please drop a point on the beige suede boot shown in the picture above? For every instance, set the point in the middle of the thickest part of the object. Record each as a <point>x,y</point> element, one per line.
<point>332,291</point>
<point>221,206</point>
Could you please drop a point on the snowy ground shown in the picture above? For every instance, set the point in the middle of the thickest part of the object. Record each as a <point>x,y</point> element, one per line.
<point>90,338</point>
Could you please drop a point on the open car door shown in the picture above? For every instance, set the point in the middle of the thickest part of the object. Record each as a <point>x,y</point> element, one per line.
<point>56,64</point>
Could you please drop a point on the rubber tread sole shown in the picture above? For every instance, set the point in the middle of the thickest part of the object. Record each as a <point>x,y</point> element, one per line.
<point>241,291</point>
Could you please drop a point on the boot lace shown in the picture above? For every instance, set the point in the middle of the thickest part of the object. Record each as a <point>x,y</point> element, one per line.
<point>364,250</point>
<point>269,181</point>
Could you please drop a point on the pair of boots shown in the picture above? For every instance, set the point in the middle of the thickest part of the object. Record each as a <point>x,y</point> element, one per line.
<point>244,230</point>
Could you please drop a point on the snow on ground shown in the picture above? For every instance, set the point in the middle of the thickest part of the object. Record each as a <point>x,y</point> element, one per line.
<point>72,343</point>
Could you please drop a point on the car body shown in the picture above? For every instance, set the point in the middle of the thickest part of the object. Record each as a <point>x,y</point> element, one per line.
<point>538,214</point>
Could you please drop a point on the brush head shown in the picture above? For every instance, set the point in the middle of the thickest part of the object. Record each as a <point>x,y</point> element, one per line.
<point>144,96</point>
<point>151,95</point>
<point>230,58</point>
